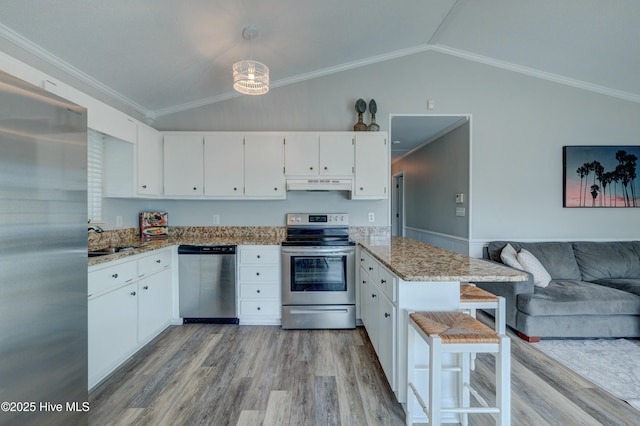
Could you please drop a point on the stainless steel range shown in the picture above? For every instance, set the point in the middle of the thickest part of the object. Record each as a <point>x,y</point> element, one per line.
<point>318,272</point>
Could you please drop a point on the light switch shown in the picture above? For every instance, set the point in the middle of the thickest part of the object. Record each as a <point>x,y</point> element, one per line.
<point>460,211</point>
<point>460,198</point>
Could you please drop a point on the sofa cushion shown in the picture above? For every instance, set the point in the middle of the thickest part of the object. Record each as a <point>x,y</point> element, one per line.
<point>509,256</point>
<point>556,257</point>
<point>602,260</point>
<point>572,297</point>
<point>541,277</point>
<point>630,285</point>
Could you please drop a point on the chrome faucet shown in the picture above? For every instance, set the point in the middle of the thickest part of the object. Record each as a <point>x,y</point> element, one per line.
<point>95,228</point>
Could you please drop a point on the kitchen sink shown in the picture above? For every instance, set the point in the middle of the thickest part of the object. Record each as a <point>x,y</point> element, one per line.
<point>110,250</point>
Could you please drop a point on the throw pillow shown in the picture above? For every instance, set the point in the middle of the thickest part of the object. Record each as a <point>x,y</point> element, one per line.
<point>509,256</point>
<point>530,263</point>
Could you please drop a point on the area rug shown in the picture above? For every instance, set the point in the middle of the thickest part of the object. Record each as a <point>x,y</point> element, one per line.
<point>612,364</point>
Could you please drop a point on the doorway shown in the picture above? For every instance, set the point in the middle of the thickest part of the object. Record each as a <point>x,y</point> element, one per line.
<point>397,205</point>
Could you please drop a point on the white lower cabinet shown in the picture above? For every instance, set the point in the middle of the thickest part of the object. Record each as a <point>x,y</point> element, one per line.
<point>112,333</point>
<point>378,289</point>
<point>259,279</point>
<point>130,302</point>
<point>154,304</point>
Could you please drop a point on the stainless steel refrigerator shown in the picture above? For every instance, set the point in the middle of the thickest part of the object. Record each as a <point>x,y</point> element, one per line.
<point>43,257</point>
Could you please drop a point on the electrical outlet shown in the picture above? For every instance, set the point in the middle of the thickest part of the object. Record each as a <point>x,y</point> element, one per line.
<point>118,221</point>
<point>216,219</point>
<point>460,198</point>
<point>372,217</point>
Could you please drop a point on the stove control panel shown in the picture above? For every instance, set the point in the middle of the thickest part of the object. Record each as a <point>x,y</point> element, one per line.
<point>322,219</point>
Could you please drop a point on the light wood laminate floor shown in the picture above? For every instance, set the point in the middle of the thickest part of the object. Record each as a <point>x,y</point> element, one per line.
<point>251,375</point>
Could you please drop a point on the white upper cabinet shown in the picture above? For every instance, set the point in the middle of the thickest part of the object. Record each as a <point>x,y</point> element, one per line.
<point>336,154</point>
<point>319,154</point>
<point>224,165</point>
<point>371,166</point>
<point>149,162</point>
<point>264,166</point>
<point>301,154</point>
<point>183,165</point>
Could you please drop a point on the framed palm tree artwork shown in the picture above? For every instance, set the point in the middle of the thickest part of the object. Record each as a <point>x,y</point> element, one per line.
<point>601,176</point>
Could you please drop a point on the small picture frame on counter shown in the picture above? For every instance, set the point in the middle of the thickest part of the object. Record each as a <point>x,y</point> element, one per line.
<point>154,225</point>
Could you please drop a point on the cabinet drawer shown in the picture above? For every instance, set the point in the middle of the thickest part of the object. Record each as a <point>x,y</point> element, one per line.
<point>262,274</point>
<point>157,261</point>
<point>105,279</point>
<point>259,291</point>
<point>260,255</point>
<point>369,264</point>
<point>387,282</point>
<point>268,308</point>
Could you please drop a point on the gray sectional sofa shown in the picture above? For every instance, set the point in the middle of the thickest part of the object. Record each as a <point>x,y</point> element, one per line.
<point>594,290</point>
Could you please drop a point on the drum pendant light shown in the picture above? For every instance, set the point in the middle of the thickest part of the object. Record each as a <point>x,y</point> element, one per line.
<point>250,77</point>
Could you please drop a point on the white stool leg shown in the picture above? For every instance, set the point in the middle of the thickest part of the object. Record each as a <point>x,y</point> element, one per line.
<point>465,380</point>
<point>435,381</point>
<point>411,334</point>
<point>501,321</point>
<point>472,355</point>
<point>503,381</point>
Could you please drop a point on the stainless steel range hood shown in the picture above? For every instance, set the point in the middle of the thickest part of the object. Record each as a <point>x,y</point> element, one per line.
<point>319,184</point>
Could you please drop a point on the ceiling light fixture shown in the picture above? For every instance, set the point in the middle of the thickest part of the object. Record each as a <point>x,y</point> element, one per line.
<point>250,77</point>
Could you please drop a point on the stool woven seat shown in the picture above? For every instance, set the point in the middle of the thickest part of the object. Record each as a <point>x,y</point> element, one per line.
<point>454,327</point>
<point>471,293</point>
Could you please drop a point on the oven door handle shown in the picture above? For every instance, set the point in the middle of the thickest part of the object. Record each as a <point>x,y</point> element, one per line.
<point>318,250</point>
<point>316,310</point>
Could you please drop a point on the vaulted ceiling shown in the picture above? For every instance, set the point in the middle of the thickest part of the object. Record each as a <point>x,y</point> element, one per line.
<point>164,56</point>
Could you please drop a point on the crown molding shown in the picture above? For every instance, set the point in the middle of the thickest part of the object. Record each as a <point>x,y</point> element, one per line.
<point>51,59</point>
<point>536,73</point>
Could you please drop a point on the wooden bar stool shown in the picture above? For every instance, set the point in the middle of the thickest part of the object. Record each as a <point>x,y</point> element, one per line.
<point>473,298</point>
<point>461,334</point>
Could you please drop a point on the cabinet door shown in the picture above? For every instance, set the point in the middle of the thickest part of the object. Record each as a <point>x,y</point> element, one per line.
<point>183,165</point>
<point>336,154</point>
<point>112,330</point>
<point>149,161</point>
<point>387,337</point>
<point>301,154</point>
<point>154,304</point>
<point>224,165</point>
<point>118,167</point>
<point>371,166</point>
<point>372,326</point>
<point>263,166</point>
<point>365,283</point>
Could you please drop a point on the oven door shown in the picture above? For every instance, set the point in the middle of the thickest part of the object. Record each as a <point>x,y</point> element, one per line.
<point>318,275</point>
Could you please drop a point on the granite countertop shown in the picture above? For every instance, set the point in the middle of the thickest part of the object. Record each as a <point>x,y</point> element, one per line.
<point>143,245</point>
<point>413,260</point>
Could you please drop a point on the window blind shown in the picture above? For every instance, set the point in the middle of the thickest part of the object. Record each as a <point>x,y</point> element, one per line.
<point>94,175</point>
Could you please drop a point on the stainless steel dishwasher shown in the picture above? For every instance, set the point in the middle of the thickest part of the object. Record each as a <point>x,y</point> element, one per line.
<point>208,284</point>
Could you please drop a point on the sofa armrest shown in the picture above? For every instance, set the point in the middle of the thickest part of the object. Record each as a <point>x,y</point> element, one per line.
<point>510,292</point>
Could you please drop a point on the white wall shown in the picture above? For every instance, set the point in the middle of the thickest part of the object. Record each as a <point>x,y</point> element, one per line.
<point>247,213</point>
<point>520,124</point>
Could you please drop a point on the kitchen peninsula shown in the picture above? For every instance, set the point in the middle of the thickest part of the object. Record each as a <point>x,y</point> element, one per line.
<point>394,275</point>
